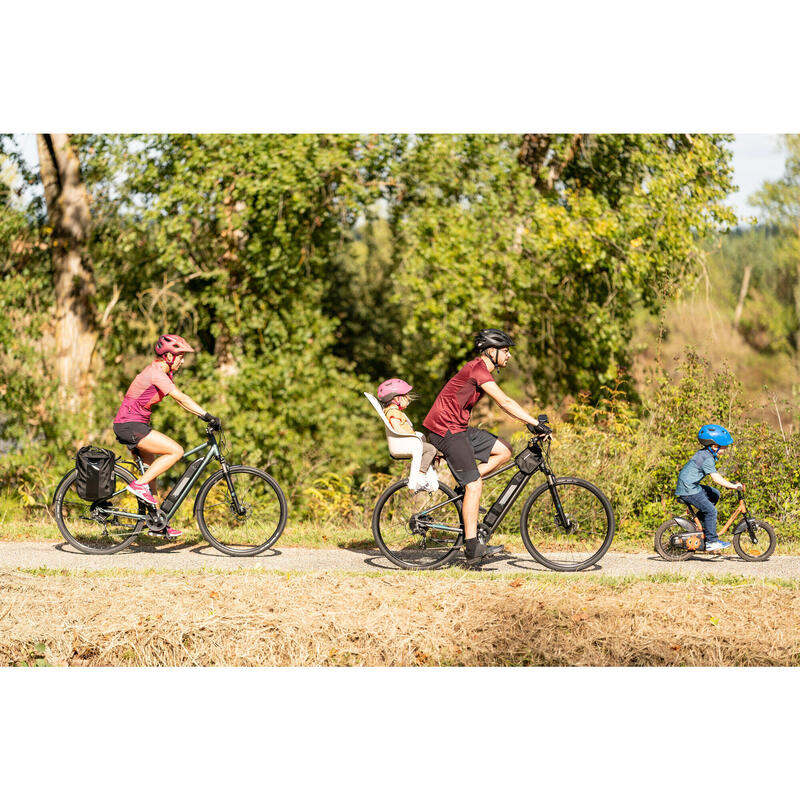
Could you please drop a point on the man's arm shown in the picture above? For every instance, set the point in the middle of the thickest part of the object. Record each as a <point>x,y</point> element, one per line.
<point>511,407</point>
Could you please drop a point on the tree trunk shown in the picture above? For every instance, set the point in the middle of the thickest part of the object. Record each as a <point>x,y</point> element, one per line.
<point>797,297</point>
<point>68,217</point>
<point>737,315</point>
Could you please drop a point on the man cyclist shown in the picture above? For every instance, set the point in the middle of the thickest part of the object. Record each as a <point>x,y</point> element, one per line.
<point>132,422</point>
<point>448,429</point>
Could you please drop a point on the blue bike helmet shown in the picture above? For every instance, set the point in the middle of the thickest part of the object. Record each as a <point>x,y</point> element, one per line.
<point>714,434</point>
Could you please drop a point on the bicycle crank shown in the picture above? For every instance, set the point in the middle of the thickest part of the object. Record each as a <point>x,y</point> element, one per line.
<point>156,521</point>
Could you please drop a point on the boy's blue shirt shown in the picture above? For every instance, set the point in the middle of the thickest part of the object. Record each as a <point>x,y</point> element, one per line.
<point>700,465</point>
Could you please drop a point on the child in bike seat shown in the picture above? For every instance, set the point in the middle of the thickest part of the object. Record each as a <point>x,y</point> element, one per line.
<point>395,395</point>
<point>702,464</point>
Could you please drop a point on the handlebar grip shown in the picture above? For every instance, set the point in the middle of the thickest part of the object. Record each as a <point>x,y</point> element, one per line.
<point>540,430</point>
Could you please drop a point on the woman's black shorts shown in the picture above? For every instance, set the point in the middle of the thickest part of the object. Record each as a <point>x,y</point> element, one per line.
<point>462,449</point>
<point>131,433</point>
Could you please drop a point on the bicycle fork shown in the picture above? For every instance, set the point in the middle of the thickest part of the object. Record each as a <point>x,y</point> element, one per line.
<point>236,505</point>
<point>561,518</point>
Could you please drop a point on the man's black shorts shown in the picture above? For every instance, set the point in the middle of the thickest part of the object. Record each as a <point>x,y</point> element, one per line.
<point>131,433</point>
<point>462,449</point>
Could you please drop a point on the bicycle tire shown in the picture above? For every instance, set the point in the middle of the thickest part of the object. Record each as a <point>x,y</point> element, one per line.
<point>76,524</point>
<point>391,527</point>
<point>239,530</point>
<point>669,552</point>
<point>746,549</point>
<point>550,531</point>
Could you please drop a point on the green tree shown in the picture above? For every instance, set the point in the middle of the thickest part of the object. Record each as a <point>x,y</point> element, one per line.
<point>558,247</point>
<point>780,201</point>
<point>232,240</point>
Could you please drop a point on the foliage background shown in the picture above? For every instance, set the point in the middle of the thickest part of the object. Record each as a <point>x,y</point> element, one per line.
<point>308,268</point>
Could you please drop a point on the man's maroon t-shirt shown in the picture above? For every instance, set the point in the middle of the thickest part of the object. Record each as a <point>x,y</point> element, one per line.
<point>450,411</point>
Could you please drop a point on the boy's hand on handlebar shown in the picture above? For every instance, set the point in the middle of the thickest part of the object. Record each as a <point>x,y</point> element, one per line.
<point>739,487</point>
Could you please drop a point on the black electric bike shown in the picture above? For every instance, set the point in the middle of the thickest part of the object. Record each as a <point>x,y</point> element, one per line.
<point>567,524</point>
<point>240,510</point>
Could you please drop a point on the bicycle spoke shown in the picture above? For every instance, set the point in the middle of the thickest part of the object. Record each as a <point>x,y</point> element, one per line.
<point>251,522</point>
<point>400,527</point>
<point>585,537</point>
<point>93,527</point>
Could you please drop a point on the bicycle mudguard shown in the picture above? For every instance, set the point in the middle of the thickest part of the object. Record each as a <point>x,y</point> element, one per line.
<point>686,524</point>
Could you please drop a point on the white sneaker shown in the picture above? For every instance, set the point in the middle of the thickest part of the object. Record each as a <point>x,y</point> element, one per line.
<point>416,482</point>
<point>431,480</point>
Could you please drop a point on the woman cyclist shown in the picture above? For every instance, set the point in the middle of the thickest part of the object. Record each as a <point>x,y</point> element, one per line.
<point>132,423</point>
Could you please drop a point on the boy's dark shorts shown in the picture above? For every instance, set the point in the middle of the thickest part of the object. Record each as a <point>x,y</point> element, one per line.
<point>462,449</point>
<point>131,433</point>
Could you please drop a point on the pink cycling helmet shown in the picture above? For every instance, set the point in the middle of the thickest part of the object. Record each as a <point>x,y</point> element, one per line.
<point>390,389</point>
<point>172,343</point>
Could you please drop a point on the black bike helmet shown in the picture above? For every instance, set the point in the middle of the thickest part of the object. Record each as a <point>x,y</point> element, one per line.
<point>492,337</point>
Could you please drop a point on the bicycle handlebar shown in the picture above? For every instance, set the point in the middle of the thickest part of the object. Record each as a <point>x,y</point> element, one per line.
<point>540,429</point>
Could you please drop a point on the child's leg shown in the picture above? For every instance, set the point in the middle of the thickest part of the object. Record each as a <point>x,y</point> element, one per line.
<point>428,454</point>
<point>711,493</point>
<point>707,511</point>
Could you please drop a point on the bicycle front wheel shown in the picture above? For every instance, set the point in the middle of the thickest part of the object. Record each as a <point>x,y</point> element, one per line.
<point>243,512</point>
<point>93,526</point>
<point>760,549</point>
<point>411,532</point>
<point>589,528</point>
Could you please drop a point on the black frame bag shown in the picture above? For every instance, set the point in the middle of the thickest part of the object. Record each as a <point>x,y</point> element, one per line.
<point>95,467</point>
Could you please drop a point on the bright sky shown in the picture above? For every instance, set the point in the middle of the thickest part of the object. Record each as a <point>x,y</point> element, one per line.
<point>757,157</point>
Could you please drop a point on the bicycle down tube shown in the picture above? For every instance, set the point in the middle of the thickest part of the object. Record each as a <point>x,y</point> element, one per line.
<point>185,482</point>
<point>500,508</point>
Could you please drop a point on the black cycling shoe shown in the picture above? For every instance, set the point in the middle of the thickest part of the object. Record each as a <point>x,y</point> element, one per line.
<point>475,551</point>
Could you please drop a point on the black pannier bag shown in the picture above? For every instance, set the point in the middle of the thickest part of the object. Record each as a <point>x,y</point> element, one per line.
<point>95,467</point>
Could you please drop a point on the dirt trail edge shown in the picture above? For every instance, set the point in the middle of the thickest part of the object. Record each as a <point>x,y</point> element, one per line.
<point>140,557</point>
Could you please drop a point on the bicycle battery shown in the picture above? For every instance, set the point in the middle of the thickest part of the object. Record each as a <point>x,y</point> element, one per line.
<point>509,496</point>
<point>172,497</point>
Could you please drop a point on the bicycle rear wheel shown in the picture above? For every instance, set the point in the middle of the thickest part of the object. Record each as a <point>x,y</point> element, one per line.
<point>91,526</point>
<point>248,523</point>
<point>403,526</point>
<point>589,531</point>
<point>760,549</point>
<point>664,545</point>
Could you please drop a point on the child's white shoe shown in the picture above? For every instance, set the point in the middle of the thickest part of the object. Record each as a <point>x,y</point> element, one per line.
<point>416,482</point>
<point>431,480</point>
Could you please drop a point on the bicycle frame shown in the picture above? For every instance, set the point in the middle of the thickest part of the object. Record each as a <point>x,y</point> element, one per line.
<point>740,509</point>
<point>187,481</point>
<point>502,505</point>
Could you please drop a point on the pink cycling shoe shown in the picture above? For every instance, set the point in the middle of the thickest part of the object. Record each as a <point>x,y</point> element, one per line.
<point>173,534</point>
<point>142,491</point>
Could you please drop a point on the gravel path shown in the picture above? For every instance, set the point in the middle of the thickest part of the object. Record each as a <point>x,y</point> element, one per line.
<point>59,555</point>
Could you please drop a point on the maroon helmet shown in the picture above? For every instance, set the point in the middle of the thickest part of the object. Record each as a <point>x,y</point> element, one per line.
<point>170,346</point>
<point>172,343</point>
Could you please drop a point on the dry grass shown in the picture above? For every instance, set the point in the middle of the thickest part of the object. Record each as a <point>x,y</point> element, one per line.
<point>271,619</point>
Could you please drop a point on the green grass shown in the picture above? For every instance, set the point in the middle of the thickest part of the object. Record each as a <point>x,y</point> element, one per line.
<point>453,574</point>
<point>332,536</point>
